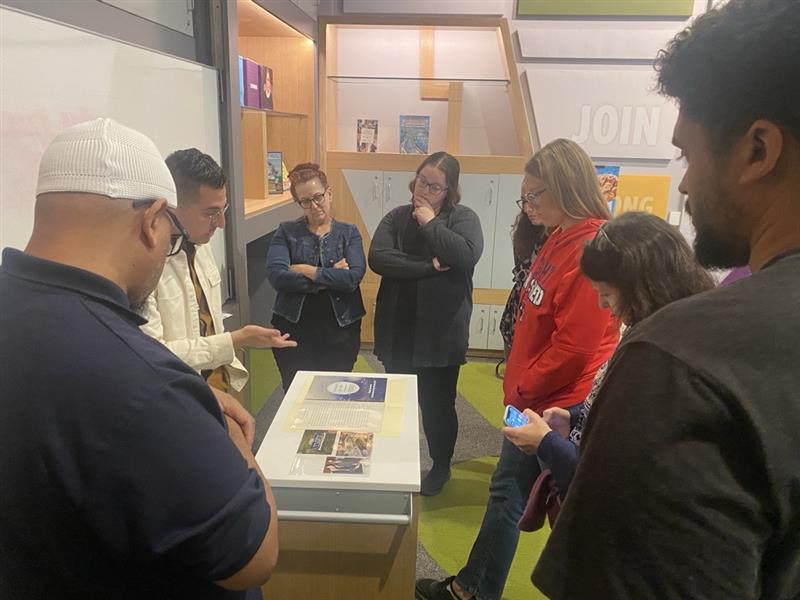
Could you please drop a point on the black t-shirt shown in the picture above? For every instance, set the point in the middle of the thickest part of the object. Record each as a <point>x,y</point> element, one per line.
<point>118,476</point>
<point>688,485</point>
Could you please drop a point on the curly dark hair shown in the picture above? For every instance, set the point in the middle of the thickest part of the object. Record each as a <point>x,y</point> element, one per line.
<point>306,172</point>
<point>192,169</point>
<point>647,260</point>
<point>734,65</point>
<point>526,238</point>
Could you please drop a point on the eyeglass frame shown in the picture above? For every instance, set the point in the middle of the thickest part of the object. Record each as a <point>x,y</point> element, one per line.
<point>428,185</point>
<point>529,197</point>
<point>176,239</point>
<point>313,199</point>
<point>218,212</point>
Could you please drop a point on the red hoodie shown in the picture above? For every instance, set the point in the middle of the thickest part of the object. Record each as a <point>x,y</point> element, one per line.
<point>561,336</point>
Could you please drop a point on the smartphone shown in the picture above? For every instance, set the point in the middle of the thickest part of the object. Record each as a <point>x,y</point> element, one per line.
<point>513,418</point>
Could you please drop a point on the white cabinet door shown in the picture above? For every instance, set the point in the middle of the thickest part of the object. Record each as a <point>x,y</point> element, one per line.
<point>507,211</point>
<point>395,189</point>
<point>479,192</point>
<point>495,340</point>
<point>366,187</point>
<point>479,327</point>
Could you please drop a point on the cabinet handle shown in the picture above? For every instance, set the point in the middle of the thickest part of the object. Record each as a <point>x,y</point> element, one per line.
<point>375,190</point>
<point>389,191</point>
<point>481,329</point>
<point>490,194</point>
<point>492,324</point>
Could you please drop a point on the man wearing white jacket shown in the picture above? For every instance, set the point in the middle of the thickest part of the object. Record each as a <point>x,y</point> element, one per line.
<point>185,310</point>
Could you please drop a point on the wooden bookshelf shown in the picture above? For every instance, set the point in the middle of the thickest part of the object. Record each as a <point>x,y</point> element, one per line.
<point>289,128</point>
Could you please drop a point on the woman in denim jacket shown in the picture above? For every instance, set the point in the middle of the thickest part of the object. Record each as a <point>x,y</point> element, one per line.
<point>316,263</point>
<point>425,253</point>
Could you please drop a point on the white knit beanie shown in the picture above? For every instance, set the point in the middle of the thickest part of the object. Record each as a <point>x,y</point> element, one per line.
<point>104,157</point>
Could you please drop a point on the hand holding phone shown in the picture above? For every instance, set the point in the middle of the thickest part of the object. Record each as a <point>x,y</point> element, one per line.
<point>513,418</point>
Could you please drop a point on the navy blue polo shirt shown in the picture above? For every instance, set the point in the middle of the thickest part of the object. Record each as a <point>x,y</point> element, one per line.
<point>117,475</point>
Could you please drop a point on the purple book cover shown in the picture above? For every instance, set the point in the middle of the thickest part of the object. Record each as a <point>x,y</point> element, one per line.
<point>252,83</point>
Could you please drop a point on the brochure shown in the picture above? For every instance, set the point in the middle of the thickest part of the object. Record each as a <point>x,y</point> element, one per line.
<point>316,441</point>
<point>348,389</point>
<point>414,132</point>
<point>352,443</point>
<point>367,135</point>
<point>335,465</point>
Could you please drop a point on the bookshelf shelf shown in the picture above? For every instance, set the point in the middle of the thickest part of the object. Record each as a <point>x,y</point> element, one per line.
<point>256,206</point>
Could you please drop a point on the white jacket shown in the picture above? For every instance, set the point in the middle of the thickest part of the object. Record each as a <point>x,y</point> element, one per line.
<point>172,316</point>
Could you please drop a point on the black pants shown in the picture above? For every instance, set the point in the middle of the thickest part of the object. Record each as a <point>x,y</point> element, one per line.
<point>320,347</point>
<point>436,390</point>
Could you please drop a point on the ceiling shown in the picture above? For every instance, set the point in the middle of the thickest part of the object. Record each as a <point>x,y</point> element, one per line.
<point>255,21</point>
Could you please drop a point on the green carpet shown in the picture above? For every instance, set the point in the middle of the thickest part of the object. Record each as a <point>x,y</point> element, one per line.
<point>479,386</point>
<point>450,521</point>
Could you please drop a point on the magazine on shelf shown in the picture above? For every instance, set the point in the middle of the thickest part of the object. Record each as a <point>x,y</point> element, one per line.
<point>414,133</point>
<point>252,84</point>
<point>608,176</point>
<point>266,87</point>
<point>367,135</point>
<point>347,389</point>
<point>275,172</point>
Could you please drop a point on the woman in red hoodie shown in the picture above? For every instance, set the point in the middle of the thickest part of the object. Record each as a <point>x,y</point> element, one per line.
<point>561,338</point>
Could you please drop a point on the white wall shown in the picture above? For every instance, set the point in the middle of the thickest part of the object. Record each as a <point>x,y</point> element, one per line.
<point>608,47</point>
<point>390,54</point>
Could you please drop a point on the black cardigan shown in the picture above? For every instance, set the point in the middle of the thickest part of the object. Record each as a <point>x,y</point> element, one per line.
<point>444,298</point>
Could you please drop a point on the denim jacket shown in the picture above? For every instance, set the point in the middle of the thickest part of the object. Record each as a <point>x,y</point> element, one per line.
<point>293,243</point>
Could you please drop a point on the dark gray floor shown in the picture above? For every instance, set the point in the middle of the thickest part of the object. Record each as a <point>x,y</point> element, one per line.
<point>476,438</point>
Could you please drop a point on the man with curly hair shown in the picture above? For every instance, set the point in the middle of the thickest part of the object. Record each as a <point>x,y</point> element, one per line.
<point>688,484</point>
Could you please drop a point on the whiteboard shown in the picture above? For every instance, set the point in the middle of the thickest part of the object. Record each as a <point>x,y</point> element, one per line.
<point>53,76</point>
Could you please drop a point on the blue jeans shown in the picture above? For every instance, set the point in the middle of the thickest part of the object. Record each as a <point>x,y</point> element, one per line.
<point>484,576</point>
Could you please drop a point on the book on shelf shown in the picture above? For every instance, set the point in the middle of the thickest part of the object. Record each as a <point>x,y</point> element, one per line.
<point>367,135</point>
<point>414,133</point>
<point>252,84</point>
<point>275,172</point>
<point>241,80</point>
<point>266,87</point>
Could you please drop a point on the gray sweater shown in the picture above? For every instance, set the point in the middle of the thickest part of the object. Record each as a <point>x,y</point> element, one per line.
<point>444,298</point>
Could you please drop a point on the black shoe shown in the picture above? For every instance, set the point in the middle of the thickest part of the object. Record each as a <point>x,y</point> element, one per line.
<point>431,589</point>
<point>434,481</point>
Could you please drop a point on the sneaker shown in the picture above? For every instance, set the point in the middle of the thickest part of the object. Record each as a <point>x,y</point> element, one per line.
<point>434,481</point>
<point>431,589</point>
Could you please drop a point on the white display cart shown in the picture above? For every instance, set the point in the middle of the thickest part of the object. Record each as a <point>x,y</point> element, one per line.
<point>345,535</point>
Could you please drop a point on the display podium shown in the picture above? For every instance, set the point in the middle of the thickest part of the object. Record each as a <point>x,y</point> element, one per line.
<point>342,457</point>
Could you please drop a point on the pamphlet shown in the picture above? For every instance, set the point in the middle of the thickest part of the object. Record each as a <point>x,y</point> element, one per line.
<point>346,466</point>
<point>316,441</point>
<point>356,444</point>
<point>367,135</point>
<point>347,389</point>
<point>414,132</point>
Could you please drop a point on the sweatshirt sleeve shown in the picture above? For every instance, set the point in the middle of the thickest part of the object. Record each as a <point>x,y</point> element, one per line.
<point>561,457</point>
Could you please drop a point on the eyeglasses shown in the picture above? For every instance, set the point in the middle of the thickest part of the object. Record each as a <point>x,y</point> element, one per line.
<point>603,234</point>
<point>176,240</point>
<point>530,197</point>
<point>317,199</point>
<point>433,188</point>
<point>214,215</point>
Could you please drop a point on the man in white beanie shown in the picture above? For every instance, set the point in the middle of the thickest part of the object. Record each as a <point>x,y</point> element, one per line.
<point>185,310</point>
<point>121,476</point>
